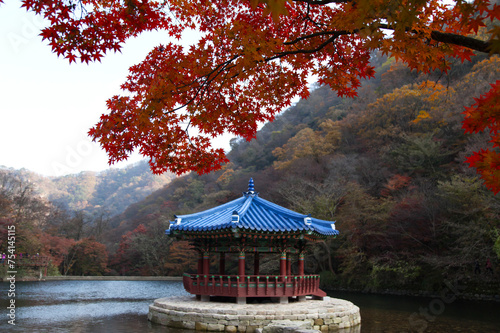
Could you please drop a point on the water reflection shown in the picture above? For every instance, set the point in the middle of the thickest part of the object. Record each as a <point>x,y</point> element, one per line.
<point>122,306</point>
<point>86,306</point>
<point>397,314</point>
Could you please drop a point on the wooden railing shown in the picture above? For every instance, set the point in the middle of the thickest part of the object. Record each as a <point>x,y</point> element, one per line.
<point>252,285</point>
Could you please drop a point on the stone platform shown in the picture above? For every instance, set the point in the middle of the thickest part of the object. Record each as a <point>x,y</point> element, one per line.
<point>327,315</point>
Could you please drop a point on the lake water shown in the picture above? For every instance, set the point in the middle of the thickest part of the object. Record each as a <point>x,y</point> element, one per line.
<point>122,306</point>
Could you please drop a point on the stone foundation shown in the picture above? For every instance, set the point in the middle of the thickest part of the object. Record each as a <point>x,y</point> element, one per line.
<point>327,315</point>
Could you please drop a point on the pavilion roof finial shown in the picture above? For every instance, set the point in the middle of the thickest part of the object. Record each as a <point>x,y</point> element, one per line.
<point>251,188</point>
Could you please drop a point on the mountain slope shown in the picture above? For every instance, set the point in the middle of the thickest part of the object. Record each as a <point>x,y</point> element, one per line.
<point>111,191</point>
<point>388,166</point>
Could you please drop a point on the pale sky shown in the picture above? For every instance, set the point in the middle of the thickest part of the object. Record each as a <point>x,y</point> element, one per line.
<point>47,106</point>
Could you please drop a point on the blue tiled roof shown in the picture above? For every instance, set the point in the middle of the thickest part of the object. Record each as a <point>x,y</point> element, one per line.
<point>252,213</point>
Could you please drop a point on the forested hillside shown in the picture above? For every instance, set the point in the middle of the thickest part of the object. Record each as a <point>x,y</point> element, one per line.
<point>388,166</point>
<point>110,191</point>
<point>65,218</point>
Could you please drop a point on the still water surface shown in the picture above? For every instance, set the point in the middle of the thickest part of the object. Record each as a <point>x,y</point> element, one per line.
<point>122,306</point>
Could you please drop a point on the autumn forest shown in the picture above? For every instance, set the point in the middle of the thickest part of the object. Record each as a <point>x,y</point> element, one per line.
<point>388,166</point>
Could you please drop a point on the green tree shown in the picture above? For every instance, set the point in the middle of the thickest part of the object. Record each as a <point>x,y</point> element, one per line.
<point>497,246</point>
<point>420,155</point>
<point>470,221</point>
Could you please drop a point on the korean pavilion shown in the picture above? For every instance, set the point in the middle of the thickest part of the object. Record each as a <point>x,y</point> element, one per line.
<point>245,226</point>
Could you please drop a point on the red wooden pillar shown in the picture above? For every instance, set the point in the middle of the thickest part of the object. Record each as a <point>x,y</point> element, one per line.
<point>200,264</point>
<point>256,263</point>
<point>283,270</point>
<point>222,263</point>
<point>301,263</point>
<point>206,263</point>
<point>289,264</point>
<point>283,264</point>
<point>241,275</point>
<point>241,264</point>
<point>200,273</point>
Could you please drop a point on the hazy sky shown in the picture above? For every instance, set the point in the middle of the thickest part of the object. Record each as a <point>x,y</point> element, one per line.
<point>47,106</point>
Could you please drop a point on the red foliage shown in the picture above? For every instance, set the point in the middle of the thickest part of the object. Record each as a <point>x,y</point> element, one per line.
<point>85,30</point>
<point>394,184</point>
<point>481,116</point>
<point>56,248</point>
<point>182,259</point>
<point>91,258</point>
<point>409,227</point>
<point>252,59</point>
<point>126,258</point>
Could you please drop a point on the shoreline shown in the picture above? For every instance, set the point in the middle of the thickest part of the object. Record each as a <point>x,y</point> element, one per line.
<point>455,292</point>
<point>99,278</point>
<point>423,294</point>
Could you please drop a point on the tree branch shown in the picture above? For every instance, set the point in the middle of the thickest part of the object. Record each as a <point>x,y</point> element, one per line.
<point>443,37</point>
<point>468,42</point>
<point>320,33</point>
<point>455,39</point>
<point>321,46</point>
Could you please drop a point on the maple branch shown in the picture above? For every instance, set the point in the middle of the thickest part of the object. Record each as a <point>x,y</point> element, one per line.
<point>212,75</point>
<point>468,42</point>
<point>455,39</point>
<point>203,82</point>
<point>444,37</point>
<point>320,33</point>
<point>189,136</point>
<point>335,34</point>
<point>285,53</point>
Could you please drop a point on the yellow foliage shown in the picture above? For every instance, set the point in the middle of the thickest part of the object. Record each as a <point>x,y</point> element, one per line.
<point>308,143</point>
<point>411,108</point>
<point>422,115</point>
<point>226,177</point>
